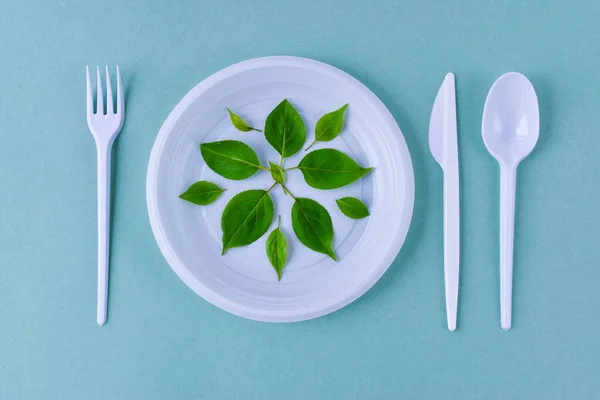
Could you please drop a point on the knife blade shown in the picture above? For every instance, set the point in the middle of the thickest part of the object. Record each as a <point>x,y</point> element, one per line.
<point>443,143</point>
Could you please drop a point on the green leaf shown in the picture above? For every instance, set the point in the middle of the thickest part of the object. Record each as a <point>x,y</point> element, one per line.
<point>277,173</point>
<point>277,250</point>
<point>246,218</point>
<point>230,159</point>
<point>285,130</point>
<point>202,193</point>
<point>239,123</point>
<point>312,225</point>
<point>353,207</point>
<point>329,126</point>
<point>330,169</point>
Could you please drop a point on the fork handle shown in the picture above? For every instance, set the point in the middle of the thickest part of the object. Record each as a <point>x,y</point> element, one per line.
<point>103,228</point>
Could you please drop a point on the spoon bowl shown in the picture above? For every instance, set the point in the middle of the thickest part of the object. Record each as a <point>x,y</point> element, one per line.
<point>511,119</point>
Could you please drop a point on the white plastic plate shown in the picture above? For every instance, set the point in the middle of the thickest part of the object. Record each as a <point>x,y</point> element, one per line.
<point>243,282</point>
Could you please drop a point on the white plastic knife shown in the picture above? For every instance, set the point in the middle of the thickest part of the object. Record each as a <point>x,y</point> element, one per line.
<point>443,144</point>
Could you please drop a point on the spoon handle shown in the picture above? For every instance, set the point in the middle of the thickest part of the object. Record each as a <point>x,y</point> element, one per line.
<point>508,180</point>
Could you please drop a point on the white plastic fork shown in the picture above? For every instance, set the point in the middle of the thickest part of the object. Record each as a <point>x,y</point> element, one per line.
<point>104,128</point>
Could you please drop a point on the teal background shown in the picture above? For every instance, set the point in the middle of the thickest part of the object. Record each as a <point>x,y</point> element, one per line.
<point>164,342</point>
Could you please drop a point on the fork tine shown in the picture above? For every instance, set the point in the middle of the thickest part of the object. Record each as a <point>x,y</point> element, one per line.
<point>88,84</point>
<point>120,100</point>
<point>99,94</point>
<point>109,97</point>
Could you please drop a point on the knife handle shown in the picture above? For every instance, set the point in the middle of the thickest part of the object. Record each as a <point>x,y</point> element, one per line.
<point>451,243</point>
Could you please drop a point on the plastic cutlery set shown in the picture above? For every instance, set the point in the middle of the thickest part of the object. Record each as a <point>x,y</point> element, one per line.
<point>510,130</point>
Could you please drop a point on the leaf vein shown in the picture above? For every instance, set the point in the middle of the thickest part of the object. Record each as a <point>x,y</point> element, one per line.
<point>312,226</point>
<point>248,216</point>
<point>231,158</point>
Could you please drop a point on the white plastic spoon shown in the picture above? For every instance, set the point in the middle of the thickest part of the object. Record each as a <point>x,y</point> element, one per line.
<point>510,128</point>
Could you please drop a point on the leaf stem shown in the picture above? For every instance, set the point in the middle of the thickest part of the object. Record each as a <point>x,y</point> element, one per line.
<point>272,186</point>
<point>288,190</point>
<point>289,169</point>
<point>254,129</point>
<point>265,168</point>
<point>311,145</point>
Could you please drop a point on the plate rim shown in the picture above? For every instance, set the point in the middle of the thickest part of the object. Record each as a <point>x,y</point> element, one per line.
<point>208,294</point>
